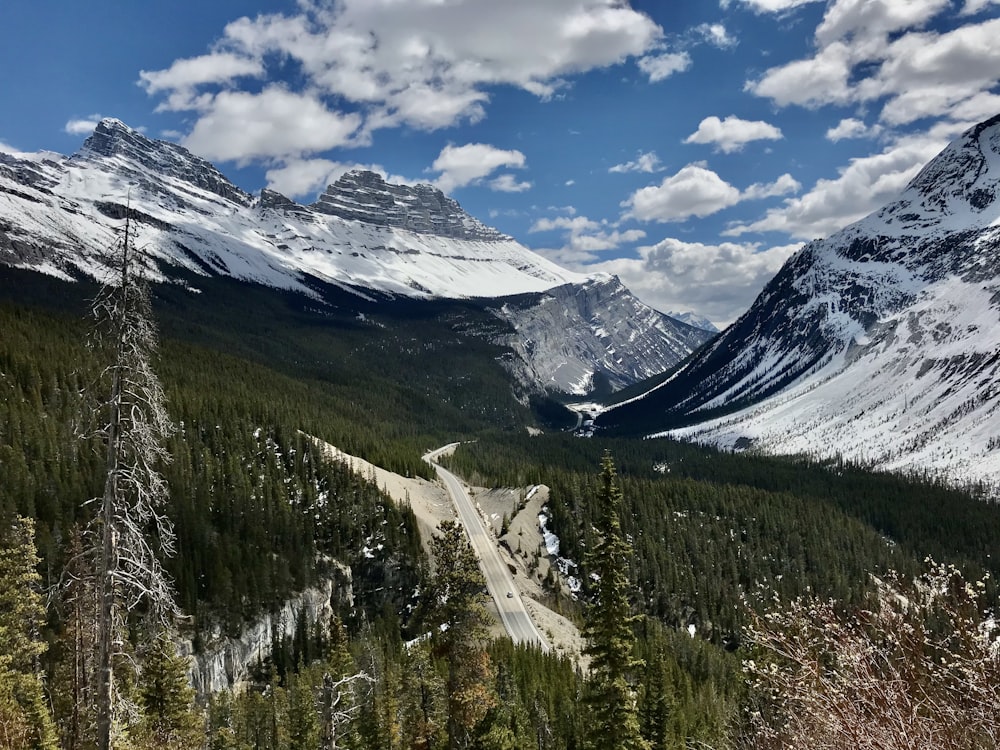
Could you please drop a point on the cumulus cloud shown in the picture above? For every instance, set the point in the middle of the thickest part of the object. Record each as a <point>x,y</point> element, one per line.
<point>644,162</point>
<point>972,7</point>
<point>732,134</point>
<point>583,237</point>
<point>851,127</point>
<point>507,183</point>
<point>82,125</point>
<point>717,35</point>
<point>772,6</point>
<point>660,67</point>
<point>424,64</point>
<point>697,191</point>
<point>782,186</point>
<point>863,186</point>
<point>187,73</point>
<point>870,52</point>
<point>276,123</point>
<point>719,281</point>
<point>463,165</point>
<point>694,191</point>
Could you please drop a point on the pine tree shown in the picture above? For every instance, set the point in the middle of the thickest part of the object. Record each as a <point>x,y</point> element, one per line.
<point>169,721</point>
<point>608,627</point>
<point>460,615</point>
<point>25,721</point>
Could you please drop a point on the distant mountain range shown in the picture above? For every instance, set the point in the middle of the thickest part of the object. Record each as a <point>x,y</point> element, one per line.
<point>60,215</point>
<point>880,344</point>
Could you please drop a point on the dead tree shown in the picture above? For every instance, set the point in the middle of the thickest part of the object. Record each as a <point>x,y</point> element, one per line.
<point>129,515</point>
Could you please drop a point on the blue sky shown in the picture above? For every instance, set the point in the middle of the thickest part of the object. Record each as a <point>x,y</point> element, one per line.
<point>690,146</point>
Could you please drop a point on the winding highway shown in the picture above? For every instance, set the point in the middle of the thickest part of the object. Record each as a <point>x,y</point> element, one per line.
<point>499,581</point>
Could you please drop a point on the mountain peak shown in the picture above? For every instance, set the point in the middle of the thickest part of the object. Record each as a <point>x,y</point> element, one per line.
<point>962,183</point>
<point>146,161</point>
<point>362,195</point>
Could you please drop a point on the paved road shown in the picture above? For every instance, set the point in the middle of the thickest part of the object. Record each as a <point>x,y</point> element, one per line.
<point>515,617</point>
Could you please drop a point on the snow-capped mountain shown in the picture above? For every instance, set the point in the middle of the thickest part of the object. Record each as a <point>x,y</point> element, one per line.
<point>60,215</point>
<point>880,344</point>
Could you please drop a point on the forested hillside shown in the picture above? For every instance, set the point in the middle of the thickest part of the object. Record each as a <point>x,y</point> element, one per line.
<point>259,513</point>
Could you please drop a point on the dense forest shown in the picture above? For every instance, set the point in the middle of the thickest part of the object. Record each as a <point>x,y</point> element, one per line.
<point>697,543</point>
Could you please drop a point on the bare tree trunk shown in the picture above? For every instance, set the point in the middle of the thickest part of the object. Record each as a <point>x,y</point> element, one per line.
<point>109,538</point>
<point>128,570</point>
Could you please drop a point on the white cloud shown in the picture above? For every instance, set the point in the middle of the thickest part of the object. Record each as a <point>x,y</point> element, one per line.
<point>428,63</point>
<point>570,183</point>
<point>463,165</point>
<point>694,191</point>
<point>732,134</point>
<point>507,183</point>
<point>697,191</point>
<point>82,125</point>
<point>661,67</point>
<point>869,19</point>
<point>6,148</point>
<point>584,237</point>
<point>716,34</point>
<point>187,73</point>
<point>274,124</point>
<point>644,162</point>
<point>823,79</point>
<point>298,178</point>
<point>877,51</point>
<point>972,7</point>
<point>782,186</point>
<point>851,127</point>
<point>773,6</point>
<point>862,187</point>
<point>718,281</point>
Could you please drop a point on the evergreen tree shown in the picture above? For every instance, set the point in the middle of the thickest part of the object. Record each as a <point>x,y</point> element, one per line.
<point>459,614</point>
<point>25,721</point>
<point>169,721</point>
<point>608,627</point>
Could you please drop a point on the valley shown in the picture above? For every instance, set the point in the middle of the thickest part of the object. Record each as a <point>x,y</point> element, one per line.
<point>637,495</point>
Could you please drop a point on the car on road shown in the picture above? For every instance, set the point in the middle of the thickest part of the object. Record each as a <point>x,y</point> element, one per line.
<point>510,594</point>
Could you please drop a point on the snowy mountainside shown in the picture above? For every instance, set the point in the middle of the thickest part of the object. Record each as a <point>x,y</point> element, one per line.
<point>880,343</point>
<point>60,215</point>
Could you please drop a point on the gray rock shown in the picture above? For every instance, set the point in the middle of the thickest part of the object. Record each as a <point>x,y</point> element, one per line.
<point>365,196</point>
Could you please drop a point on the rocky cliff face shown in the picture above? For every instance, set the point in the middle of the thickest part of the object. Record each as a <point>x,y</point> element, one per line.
<point>880,343</point>
<point>225,663</point>
<point>366,197</point>
<point>572,336</point>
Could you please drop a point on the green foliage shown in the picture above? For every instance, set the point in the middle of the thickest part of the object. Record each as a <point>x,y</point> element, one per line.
<point>459,618</point>
<point>24,717</point>
<point>608,626</point>
<point>169,719</point>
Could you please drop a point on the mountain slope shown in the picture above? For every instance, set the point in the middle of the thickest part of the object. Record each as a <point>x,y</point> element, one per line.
<point>59,215</point>
<point>880,343</point>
